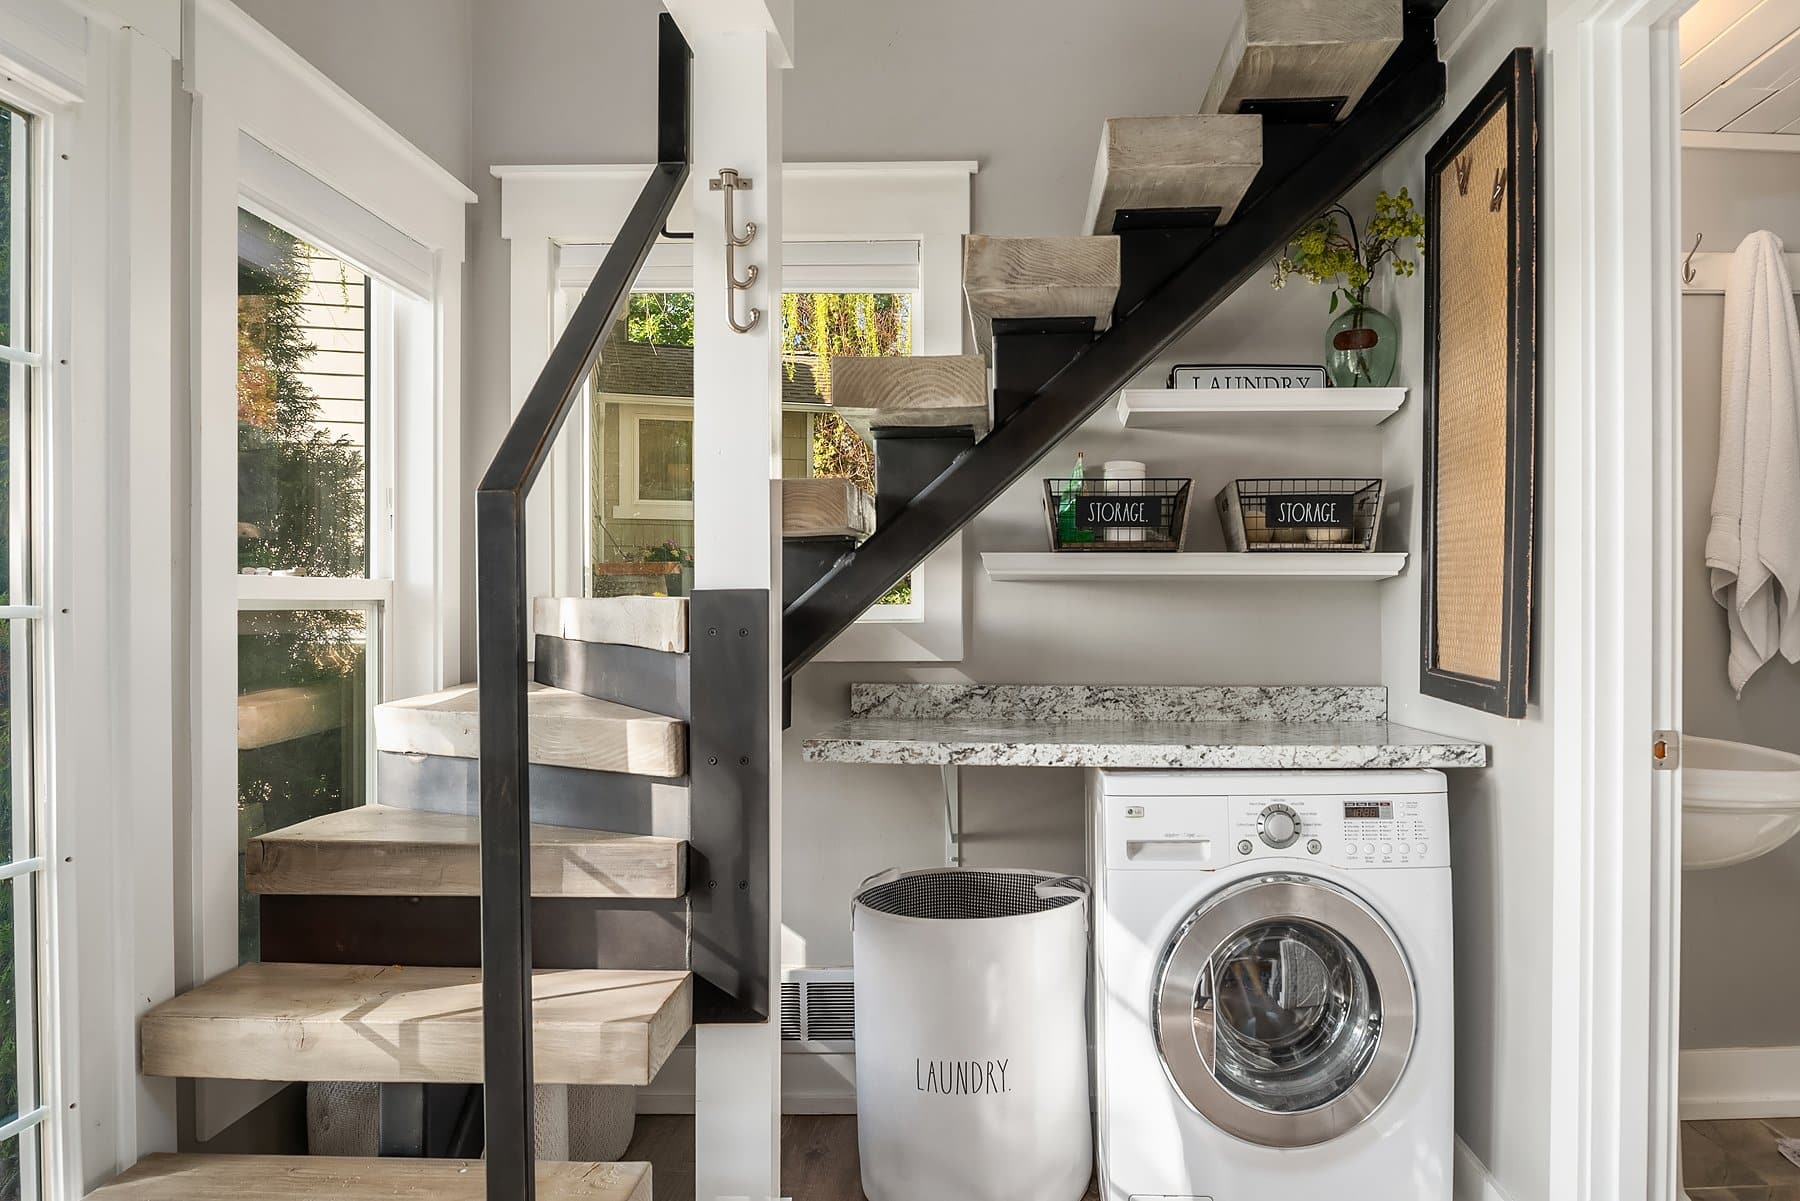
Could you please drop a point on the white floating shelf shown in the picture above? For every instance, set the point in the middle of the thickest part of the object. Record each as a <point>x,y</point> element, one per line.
<point>1254,408</point>
<point>1045,566</point>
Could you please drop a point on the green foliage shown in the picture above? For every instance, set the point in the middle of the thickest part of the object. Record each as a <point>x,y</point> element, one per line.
<point>1323,252</point>
<point>661,318</point>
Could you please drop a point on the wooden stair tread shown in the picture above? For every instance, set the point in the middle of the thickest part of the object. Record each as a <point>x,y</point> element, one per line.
<point>655,623</point>
<point>1180,162</point>
<point>912,391</point>
<point>381,850</point>
<point>1039,277</point>
<point>825,507</point>
<point>275,715</point>
<point>317,1021</point>
<point>1305,50</point>
<point>341,1178</point>
<point>567,730</point>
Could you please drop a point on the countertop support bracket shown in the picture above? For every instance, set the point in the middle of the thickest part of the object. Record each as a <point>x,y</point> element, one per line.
<point>953,833</point>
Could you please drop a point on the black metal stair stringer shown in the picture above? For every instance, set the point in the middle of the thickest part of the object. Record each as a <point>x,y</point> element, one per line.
<point>1380,123</point>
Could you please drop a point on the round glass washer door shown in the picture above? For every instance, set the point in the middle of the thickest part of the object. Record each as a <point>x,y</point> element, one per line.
<point>1284,1011</point>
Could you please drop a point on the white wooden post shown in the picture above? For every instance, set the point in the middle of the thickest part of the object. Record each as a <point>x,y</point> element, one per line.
<point>740,49</point>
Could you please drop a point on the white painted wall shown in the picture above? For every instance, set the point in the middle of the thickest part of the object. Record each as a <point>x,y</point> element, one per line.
<point>1501,819</point>
<point>1737,987</point>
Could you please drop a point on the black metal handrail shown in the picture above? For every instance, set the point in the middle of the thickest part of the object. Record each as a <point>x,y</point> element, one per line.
<point>501,633</point>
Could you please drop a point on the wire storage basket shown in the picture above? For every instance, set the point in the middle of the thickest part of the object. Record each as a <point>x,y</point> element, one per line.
<point>1117,514</point>
<point>1301,513</point>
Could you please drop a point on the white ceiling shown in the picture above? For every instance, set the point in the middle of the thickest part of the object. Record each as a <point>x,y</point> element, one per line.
<point>1740,67</point>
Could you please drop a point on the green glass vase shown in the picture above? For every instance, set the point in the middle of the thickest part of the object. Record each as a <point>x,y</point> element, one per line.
<point>1361,348</point>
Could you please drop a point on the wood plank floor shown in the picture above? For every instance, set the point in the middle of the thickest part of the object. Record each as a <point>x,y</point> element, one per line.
<point>818,1157</point>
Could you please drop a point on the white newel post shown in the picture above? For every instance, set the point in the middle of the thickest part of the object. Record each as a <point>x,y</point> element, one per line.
<point>740,49</point>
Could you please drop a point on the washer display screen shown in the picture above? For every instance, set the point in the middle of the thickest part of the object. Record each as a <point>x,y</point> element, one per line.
<point>1379,810</point>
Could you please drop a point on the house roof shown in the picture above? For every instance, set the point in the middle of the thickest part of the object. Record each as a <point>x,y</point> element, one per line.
<point>642,369</point>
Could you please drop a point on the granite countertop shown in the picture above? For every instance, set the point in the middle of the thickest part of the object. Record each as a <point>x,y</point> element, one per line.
<point>1295,727</point>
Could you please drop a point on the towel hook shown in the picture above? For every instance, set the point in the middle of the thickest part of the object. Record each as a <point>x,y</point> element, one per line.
<point>1687,265</point>
<point>730,182</point>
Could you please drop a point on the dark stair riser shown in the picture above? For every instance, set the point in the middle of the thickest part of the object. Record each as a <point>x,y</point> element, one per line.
<point>805,560</point>
<point>1285,196</point>
<point>655,681</point>
<point>566,932</point>
<point>1026,353</point>
<point>560,796</point>
<point>906,460</point>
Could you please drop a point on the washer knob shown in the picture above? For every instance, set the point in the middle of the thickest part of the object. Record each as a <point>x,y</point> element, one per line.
<point>1279,827</point>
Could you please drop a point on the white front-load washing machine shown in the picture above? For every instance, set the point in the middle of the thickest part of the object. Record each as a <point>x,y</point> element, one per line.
<point>1273,995</point>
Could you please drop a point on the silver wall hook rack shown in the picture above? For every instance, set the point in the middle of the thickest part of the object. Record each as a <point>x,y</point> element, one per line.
<point>730,182</point>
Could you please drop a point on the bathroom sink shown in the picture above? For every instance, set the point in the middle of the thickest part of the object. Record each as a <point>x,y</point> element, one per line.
<point>1737,801</point>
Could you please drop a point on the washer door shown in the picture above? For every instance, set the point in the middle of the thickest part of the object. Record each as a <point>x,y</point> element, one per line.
<point>1284,1011</point>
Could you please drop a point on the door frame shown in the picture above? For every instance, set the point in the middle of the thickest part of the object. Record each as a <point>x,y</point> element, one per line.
<point>1612,665</point>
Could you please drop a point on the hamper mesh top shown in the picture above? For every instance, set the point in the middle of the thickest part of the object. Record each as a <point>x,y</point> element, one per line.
<point>959,896</point>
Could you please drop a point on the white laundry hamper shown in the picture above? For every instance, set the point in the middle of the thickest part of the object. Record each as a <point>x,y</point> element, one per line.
<point>971,1035</point>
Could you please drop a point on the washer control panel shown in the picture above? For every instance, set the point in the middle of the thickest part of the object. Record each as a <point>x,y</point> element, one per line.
<point>1393,830</point>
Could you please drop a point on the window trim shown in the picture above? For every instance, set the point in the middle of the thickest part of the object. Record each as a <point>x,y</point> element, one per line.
<point>359,187</point>
<point>631,506</point>
<point>544,208</point>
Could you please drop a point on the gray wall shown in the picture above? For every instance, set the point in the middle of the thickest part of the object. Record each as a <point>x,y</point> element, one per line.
<point>1737,987</point>
<point>1502,820</point>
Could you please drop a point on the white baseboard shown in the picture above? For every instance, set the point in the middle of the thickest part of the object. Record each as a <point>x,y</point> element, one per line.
<point>809,1084</point>
<point>1473,1181</point>
<point>1740,1082</point>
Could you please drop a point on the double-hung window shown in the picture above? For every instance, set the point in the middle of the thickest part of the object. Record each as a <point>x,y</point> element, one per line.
<point>316,348</point>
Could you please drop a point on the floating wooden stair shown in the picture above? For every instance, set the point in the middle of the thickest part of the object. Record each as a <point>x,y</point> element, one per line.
<point>378,850</point>
<point>408,1025</point>
<point>912,391</point>
<point>825,507</point>
<point>276,715</point>
<point>339,1178</point>
<point>567,730</point>
<point>1304,59</point>
<point>1184,170</point>
<point>1007,278</point>
<point>654,623</point>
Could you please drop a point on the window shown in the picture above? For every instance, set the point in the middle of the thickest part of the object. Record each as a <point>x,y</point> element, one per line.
<point>22,643</point>
<point>312,332</point>
<point>641,437</point>
<point>848,229</point>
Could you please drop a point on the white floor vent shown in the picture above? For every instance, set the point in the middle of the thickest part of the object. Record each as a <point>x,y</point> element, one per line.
<point>818,1010</point>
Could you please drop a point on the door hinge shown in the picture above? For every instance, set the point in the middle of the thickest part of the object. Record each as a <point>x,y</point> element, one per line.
<point>1665,750</point>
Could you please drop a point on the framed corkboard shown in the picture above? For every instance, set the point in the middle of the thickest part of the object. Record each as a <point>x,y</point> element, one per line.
<point>1481,293</point>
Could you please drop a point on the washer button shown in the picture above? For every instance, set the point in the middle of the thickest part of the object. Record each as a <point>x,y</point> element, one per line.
<point>1314,846</point>
<point>1424,848</point>
<point>1368,848</point>
<point>1244,847</point>
<point>1387,848</point>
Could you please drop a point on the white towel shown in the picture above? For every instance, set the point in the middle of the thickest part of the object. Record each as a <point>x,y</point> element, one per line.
<point>1753,549</point>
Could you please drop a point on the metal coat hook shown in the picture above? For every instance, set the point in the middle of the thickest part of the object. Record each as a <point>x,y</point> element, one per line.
<point>1464,165</point>
<point>729,182</point>
<point>1687,265</point>
<point>1499,190</point>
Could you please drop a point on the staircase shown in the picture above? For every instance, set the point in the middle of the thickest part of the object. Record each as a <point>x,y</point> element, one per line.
<point>1309,96</point>
<point>609,781</point>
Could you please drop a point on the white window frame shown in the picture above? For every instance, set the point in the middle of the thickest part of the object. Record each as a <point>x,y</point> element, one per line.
<point>271,130</point>
<point>631,506</point>
<point>546,208</point>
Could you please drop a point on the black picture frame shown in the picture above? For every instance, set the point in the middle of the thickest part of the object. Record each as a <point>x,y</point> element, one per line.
<point>1513,92</point>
